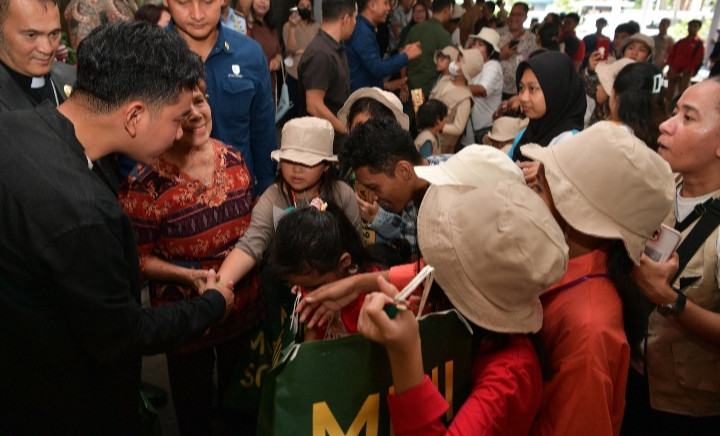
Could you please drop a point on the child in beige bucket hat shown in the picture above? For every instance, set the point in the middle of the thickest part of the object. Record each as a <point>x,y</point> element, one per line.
<point>457,96</point>
<point>609,192</point>
<point>305,174</point>
<point>493,275</point>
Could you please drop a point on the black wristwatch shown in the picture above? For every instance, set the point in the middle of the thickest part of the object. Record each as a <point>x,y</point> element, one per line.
<point>674,309</point>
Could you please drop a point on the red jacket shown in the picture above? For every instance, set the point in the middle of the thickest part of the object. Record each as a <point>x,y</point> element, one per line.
<point>686,55</point>
<point>506,393</point>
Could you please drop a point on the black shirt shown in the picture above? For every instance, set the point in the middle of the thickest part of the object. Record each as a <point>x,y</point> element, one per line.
<point>324,65</point>
<point>37,95</point>
<point>72,329</point>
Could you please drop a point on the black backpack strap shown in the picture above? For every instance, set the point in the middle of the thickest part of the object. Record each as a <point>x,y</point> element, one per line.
<point>709,214</point>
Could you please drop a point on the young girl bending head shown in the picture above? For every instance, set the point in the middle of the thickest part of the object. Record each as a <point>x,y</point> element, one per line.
<point>609,193</point>
<point>315,246</point>
<point>523,252</point>
<point>305,173</point>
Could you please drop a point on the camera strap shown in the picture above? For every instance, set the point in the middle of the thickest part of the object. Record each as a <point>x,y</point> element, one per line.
<point>706,225</point>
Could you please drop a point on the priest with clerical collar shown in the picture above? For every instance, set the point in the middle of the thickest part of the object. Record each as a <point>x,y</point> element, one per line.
<point>29,39</point>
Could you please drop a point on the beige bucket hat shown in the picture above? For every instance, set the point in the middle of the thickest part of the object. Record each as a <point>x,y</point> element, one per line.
<point>471,62</point>
<point>387,99</point>
<point>507,128</point>
<point>492,273</point>
<point>474,165</point>
<point>307,141</point>
<point>639,37</point>
<point>450,51</point>
<point>491,36</point>
<point>607,72</point>
<point>605,182</point>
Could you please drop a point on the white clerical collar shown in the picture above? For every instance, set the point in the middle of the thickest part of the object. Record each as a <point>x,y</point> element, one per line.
<point>37,82</point>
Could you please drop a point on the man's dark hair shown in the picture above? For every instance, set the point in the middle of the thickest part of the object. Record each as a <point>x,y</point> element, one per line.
<point>439,5</point>
<point>378,145</point>
<point>5,5</point>
<point>625,28</point>
<point>430,113</point>
<point>523,5</point>
<point>699,23</point>
<point>635,26</point>
<point>362,4</point>
<point>573,16</point>
<point>333,10</point>
<point>155,71</point>
<point>602,21</point>
<point>150,13</point>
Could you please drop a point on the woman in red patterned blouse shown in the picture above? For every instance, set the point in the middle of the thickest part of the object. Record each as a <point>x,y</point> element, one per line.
<point>188,210</point>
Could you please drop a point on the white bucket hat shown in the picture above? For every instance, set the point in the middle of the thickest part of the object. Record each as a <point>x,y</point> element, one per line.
<point>307,141</point>
<point>474,165</point>
<point>495,250</point>
<point>606,183</point>
<point>489,35</point>
<point>387,99</point>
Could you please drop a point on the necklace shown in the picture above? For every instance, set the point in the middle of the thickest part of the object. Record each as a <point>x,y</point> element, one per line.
<point>57,100</point>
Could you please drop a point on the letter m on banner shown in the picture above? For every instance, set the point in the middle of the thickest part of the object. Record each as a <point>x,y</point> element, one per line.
<point>324,422</point>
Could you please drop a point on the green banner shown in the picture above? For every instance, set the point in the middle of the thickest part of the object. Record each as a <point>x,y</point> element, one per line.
<point>340,387</point>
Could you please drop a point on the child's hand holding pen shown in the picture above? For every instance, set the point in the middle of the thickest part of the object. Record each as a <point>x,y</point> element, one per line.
<point>400,336</point>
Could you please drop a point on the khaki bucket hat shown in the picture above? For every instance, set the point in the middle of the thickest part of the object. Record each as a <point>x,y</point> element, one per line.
<point>649,42</point>
<point>474,165</point>
<point>507,128</point>
<point>307,141</point>
<point>492,273</point>
<point>450,51</point>
<point>605,182</point>
<point>387,99</point>
<point>471,62</point>
<point>607,72</point>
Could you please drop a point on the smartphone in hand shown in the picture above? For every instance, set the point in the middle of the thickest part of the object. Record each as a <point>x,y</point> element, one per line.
<point>603,46</point>
<point>663,243</point>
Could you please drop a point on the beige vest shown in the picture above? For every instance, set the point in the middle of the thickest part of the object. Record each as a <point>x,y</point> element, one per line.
<point>425,135</point>
<point>683,371</point>
<point>452,97</point>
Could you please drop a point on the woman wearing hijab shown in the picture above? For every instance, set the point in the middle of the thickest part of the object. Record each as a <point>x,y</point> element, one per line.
<point>552,95</point>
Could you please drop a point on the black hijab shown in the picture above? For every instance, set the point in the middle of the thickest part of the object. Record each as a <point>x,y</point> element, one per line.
<point>564,93</point>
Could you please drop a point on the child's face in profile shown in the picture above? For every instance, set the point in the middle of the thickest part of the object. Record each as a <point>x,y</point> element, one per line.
<point>442,63</point>
<point>441,124</point>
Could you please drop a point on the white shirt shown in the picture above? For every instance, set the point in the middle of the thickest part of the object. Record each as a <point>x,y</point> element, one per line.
<point>490,78</point>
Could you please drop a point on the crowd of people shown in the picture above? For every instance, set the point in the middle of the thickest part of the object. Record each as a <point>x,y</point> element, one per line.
<point>230,163</point>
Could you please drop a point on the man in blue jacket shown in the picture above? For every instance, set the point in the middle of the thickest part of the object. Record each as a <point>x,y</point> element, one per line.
<point>367,67</point>
<point>238,84</point>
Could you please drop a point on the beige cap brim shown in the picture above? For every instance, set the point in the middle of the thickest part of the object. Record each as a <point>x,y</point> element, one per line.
<point>303,157</point>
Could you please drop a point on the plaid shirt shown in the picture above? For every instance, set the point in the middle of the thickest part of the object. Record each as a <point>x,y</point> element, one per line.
<point>387,224</point>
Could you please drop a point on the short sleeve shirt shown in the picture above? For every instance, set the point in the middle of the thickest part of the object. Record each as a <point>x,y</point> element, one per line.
<point>324,66</point>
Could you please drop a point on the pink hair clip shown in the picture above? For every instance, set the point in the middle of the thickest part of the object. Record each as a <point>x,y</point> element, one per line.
<point>318,204</point>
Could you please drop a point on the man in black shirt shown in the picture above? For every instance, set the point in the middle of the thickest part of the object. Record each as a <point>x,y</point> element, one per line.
<point>72,330</point>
